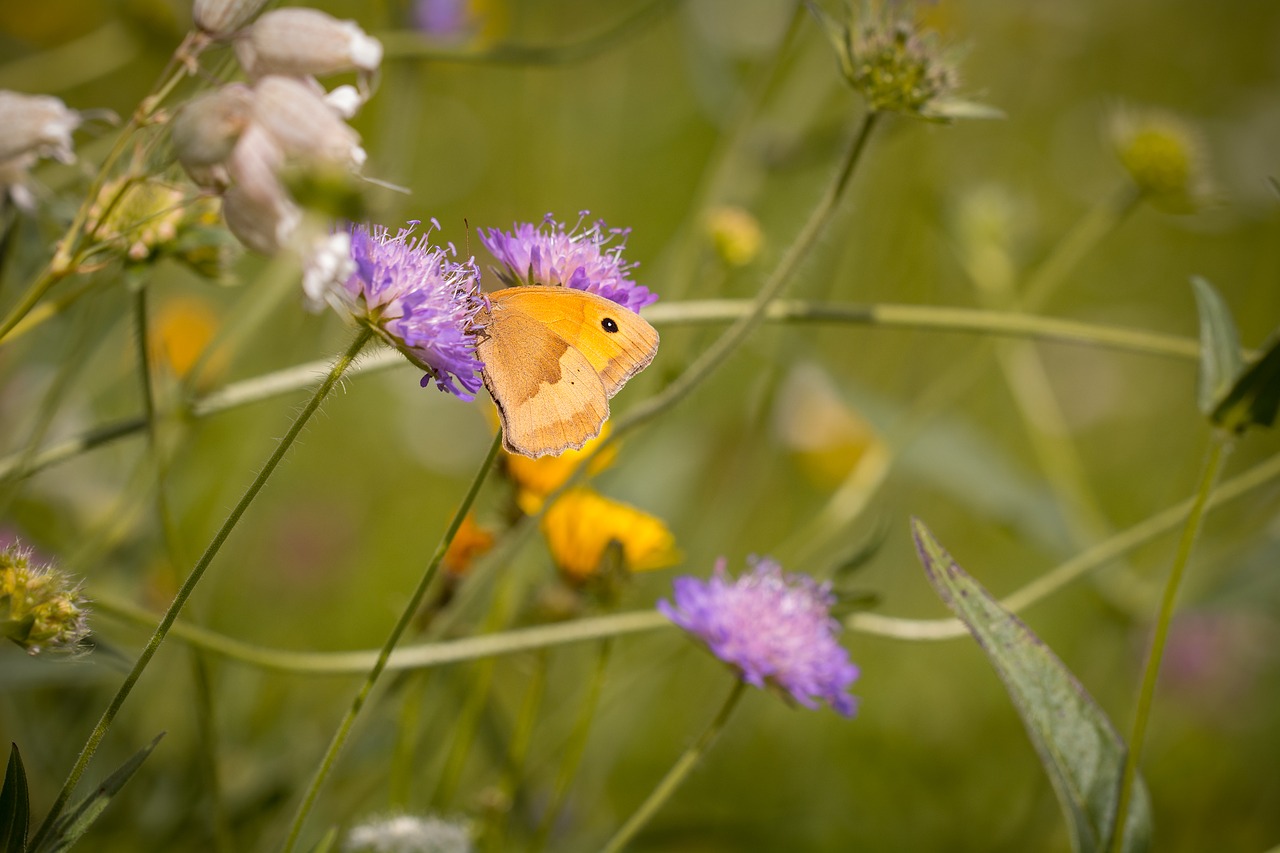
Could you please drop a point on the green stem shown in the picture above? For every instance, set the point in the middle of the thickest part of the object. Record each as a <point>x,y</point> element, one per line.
<point>676,774</point>
<point>429,655</point>
<point>189,585</point>
<point>574,750</point>
<point>733,337</point>
<point>1076,244</point>
<point>64,260</point>
<point>1219,449</point>
<point>402,624</point>
<point>959,320</point>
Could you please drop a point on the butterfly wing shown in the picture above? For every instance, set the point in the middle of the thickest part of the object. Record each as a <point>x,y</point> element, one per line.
<point>617,341</point>
<point>549,396</point>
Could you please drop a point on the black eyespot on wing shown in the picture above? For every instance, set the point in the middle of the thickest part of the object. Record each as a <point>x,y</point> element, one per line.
<point>609,324</point>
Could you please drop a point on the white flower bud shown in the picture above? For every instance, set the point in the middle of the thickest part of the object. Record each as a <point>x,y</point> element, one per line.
<point>304,42</point>
<point>256,207</point>
<point>303,125</point>
<point>325,267</point>
<point>224,17</point>
<point>36,124</point>
<point>346,101</point>
<point>206,130</point>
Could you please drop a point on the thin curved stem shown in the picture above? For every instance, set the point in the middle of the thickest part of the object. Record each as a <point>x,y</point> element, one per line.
<point>428,655</point>
<point>189,585</point>
<point>888,316</point>
<point>384,655</point>
<point>65,257</point>
<point>677,774</point>
<point>732,338</point>
<point>1219,449</point>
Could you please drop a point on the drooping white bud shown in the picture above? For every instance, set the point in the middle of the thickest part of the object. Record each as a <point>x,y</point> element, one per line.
<point>206,130</point>
<point>256,207</point>
<point>346,101</point>
<point>221,18</point>
<point>304,42</point>
<point>303,125</point>
<point>39,125</point>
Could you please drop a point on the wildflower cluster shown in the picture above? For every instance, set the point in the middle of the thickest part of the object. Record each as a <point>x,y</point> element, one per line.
<point>420,300</point>
<point>39,607</point>
<point>34,127</point>
<point>584,258</point>
<point>774,628</point>
<point>895,66</point>
<point>405,833</point>
<point>240,139</point>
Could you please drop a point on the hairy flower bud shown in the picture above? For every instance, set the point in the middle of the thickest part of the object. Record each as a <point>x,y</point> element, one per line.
<point>305,42</point>
<point>206,130</point>
<point>1164,155</point>
<point>38,125</point>
<point>39,607</point>
<point>303,125</point>
<point>223,17</point>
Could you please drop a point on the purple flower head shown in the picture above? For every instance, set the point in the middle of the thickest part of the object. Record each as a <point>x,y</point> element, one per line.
<point>421,300</point>
<point>581,259</point>
<point>774,628</point>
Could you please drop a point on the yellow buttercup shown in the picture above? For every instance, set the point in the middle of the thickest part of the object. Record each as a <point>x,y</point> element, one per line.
<point>553,356</point>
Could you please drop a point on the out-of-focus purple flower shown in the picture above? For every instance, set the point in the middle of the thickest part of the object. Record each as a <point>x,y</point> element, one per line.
<point>421,300</point>
<point>582,259</point>
<point>443,18</point>
<point>774,628</point>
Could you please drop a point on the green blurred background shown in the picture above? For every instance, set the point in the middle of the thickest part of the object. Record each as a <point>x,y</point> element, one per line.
<point>936,758</point>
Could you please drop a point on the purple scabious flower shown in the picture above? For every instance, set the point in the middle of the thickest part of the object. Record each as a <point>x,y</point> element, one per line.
<point>582,259</point>
<point>421,300</point>
<point>774,628</point>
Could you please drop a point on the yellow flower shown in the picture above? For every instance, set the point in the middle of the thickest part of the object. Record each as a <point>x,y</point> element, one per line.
<point>537,478</point>
<point>472,541</point>
<point>829,439</point>
<point>183,328</point>
<point>735,233</point>
<point>582,525</point>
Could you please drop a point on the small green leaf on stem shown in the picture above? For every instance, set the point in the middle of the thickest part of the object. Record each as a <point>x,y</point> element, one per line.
<point>15,806</point>
<point>1079,748</point>
<point>1254,396</point>
<point>76,822</point>
<point>1220,358</point>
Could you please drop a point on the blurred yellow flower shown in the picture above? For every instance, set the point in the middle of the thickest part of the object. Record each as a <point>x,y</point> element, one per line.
<point>472,541</point>
<point>828,437</point>
<point>1164,155</point>
<point>536,478</point>
<point>735,233</point>
<point>581,525</point>
<point>181,331</point>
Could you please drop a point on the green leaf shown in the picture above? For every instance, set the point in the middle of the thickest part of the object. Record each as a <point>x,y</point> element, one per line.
<point>15,806</point>
<point>1079,748</point>
<point>75,823</point>
<point>1220,358</point>
<point>1254,397</point>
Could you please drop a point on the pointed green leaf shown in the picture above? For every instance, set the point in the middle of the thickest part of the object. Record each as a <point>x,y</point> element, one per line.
<point>1220,358</point>
<point>75,823</point>
<point>1254,397</point>
<point>1080,750</point>
<point>15,807</point>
